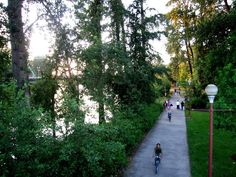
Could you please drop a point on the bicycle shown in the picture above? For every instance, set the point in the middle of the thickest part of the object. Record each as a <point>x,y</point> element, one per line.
<point>157,163</point>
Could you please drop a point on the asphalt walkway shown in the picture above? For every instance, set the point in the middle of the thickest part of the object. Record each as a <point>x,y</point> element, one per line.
<point>173,140</point>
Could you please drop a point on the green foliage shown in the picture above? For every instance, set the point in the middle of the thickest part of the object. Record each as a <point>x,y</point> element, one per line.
<point>216,45</point>
<point>216,39</point>
<point>226,98</point>
<point>199,102</point>
<point>43,92</point>
<point>99,154</point>
<point>140,73</point>
<point>162,85</point>
<point>223,147</point>
<point>226,120</point>
<point>18,143</point>
<point>225,81</point>
<point>181,22</point>
<point>132,125</point>
<point>205,40</point>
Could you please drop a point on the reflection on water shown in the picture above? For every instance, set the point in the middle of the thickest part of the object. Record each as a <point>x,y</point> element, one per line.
<point>90,108</point>
<point>87,105</point>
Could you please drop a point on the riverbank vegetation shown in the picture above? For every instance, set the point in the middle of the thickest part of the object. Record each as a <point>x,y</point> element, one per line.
<point>28,147</point>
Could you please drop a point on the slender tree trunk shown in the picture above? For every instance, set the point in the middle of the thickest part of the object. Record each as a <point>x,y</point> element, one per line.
<point>123,35</point>
<point>191,51</point>
<point>189,59</point>
<point>53,114</point>
<point>117,32</point>
<point>18,44</point>
<point>101,112</point>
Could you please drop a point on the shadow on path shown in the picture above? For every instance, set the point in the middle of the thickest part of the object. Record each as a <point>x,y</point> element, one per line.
<point>172,136</point>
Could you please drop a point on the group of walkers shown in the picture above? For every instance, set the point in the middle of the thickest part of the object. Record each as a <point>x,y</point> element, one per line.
<point>178,104</point>
<point>177,91</point>
<point>168,107</point>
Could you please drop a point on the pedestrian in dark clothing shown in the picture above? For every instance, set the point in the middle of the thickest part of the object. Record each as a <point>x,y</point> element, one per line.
<point>165,104</point>
<point>182,105</point>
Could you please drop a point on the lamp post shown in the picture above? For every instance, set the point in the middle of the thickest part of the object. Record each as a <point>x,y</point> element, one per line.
<point>211,90</point>
<point>189,94</point>
<point>189,82</point>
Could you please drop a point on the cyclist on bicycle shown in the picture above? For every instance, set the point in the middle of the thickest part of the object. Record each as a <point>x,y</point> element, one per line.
<point>158,153</point>
<point>169,111</point>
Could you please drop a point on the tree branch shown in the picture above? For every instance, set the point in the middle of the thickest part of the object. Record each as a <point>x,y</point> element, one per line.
<point>31,25</point>
<point>227,6</point>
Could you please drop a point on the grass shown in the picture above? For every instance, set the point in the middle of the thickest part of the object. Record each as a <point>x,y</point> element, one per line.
<point>224,147</point>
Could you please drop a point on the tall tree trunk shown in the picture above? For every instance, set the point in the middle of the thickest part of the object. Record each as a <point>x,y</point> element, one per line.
<point>100,86</point>
<point>143,31</point>
<point>187,37</point>
<point>18,43</point>
<point>96,14</point>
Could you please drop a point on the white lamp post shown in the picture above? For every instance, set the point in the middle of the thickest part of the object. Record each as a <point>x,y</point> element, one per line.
<point>211,91</point>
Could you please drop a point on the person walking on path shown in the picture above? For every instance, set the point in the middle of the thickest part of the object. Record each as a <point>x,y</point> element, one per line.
<point>165,104</point>
<point>169,107</point>
<point>173,140</point>
<point>177,104</point>
<point>182,105</point>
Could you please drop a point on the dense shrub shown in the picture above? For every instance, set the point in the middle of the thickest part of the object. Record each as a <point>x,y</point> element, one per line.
<point>199,102</point>
<point>20,131</point>
<point>225,120</point>
<point>225,117</point>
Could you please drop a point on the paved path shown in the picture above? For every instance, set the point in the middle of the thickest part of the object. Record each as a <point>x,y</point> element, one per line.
<point>172,136</point>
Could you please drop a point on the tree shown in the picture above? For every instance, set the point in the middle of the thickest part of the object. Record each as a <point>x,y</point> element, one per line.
<point>142,30</point>
<point>182,19</point>
<point>43,95</point>
<point>117,12</point>
<point>18,43</point>
<point>91,28</point>
<point>61,68</point>
<point>215,41</point>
